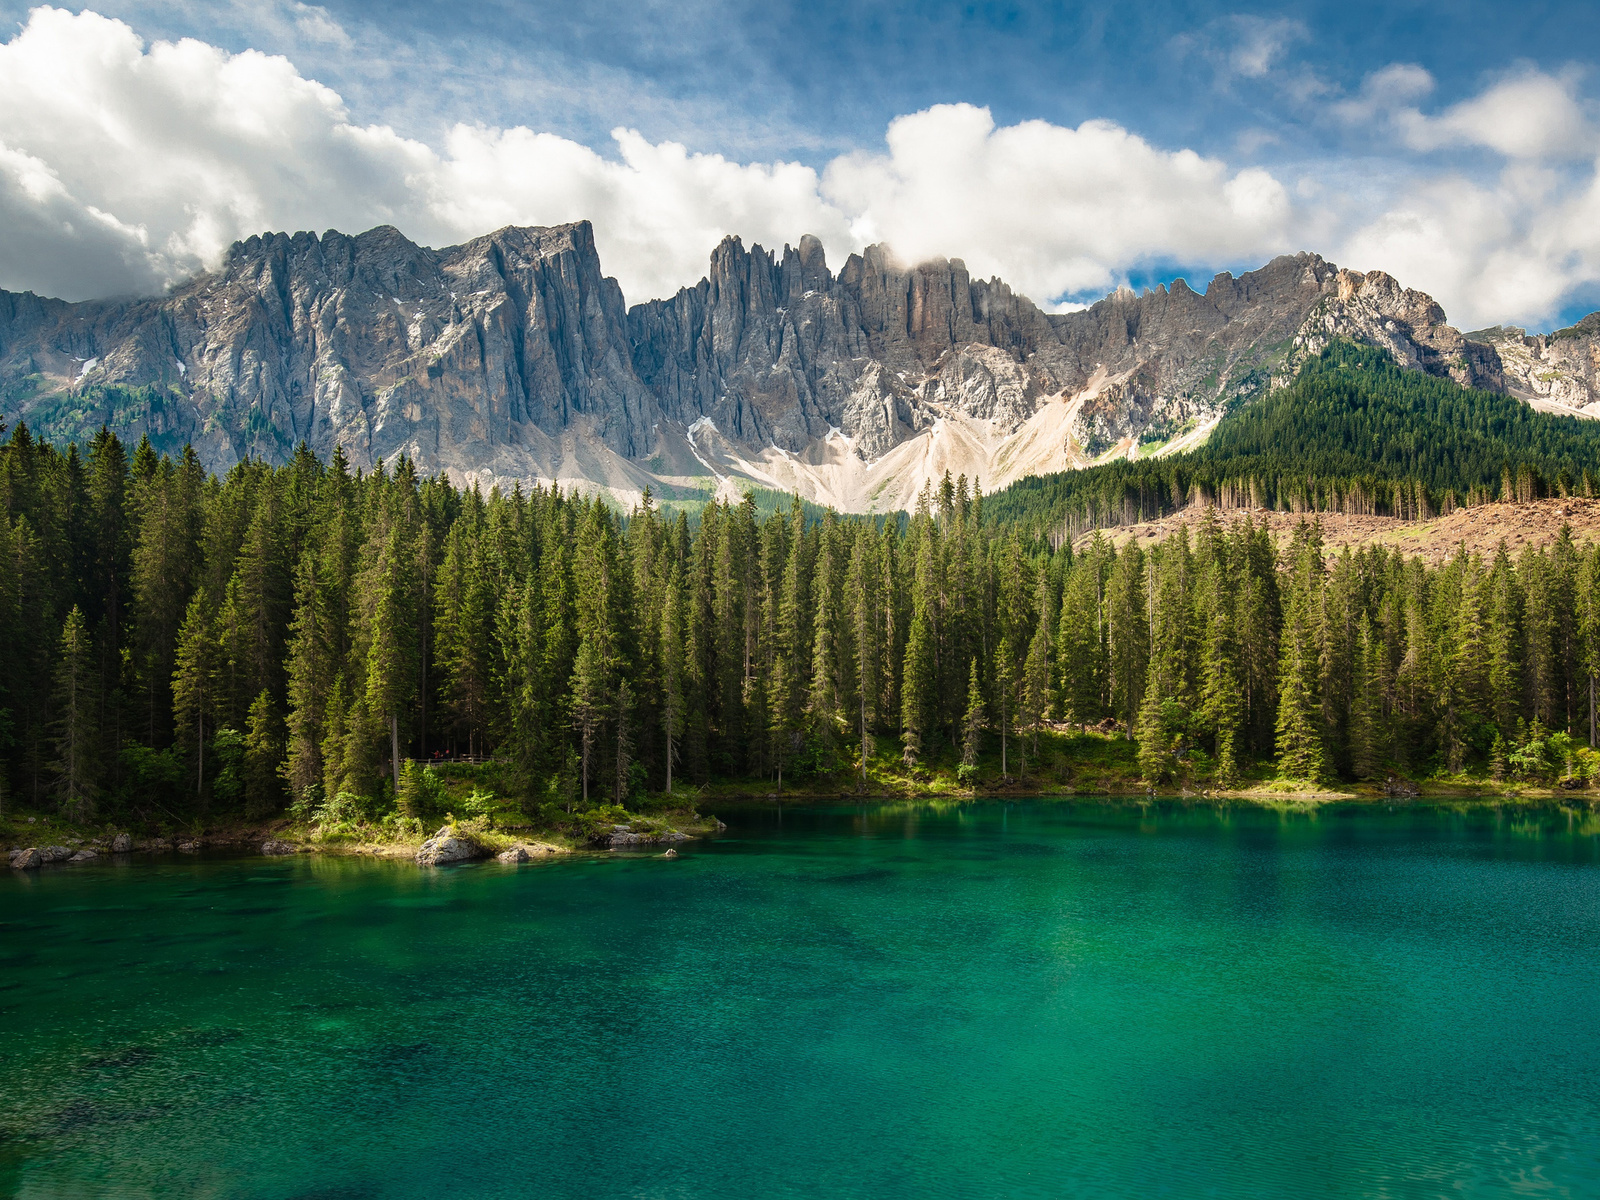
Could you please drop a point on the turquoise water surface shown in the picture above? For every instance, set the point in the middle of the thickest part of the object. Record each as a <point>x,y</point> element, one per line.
<point>1023,1000</point>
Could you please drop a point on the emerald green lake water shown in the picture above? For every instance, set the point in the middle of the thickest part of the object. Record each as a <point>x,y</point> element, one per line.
<point>1023,1000</point>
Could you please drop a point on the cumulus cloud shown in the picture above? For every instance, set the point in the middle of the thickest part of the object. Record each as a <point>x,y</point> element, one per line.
<point>150,161</point>
<point>1510,250</point>
<point>1053,210</point>
<point>1530,115</point>
<point>125,166</point>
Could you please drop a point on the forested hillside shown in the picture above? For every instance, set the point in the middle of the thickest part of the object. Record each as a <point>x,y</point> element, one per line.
<point>1352,433</point>
<point>182,644</point>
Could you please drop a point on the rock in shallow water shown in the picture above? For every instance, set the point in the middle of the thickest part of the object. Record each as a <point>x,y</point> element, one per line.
<point>445,847</point>
<point>623,836</point>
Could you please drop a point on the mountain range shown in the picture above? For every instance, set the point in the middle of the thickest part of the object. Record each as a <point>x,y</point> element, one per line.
<point>513,357</point>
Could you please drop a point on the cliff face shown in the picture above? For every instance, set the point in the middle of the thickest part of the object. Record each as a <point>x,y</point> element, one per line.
<point>1556,372</point>
<point>514,357</point>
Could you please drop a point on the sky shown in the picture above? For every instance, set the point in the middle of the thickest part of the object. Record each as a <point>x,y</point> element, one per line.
<point>1066,148</point>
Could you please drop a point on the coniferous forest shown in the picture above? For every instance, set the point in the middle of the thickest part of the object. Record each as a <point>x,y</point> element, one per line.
<point>1351,433</point>
<point>179,645</point>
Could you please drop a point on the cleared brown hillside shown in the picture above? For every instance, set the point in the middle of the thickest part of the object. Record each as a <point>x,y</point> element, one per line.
<point>1480,528</point>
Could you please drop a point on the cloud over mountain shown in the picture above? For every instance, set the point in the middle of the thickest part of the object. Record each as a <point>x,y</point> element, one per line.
<point>125,165</point>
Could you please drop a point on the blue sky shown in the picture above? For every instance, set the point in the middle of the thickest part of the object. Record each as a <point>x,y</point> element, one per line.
<point>1383,136</point>
<point>808,80</point>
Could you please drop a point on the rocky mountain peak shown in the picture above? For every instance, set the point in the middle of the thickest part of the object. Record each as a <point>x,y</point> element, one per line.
<point>513,356</point>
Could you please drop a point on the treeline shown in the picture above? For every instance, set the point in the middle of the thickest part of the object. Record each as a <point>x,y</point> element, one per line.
<point>1352,433</point>
<point>179,644</point>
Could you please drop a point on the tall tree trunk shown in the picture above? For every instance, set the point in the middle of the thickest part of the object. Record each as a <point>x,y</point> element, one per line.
<point>394,748</point>
<point>863,741</point>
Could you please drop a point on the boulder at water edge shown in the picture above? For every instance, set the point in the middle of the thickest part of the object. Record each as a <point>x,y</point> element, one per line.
<point>26,860</point>
<point>122,843</point>
<point>514,855</point>
<point>446,847</point>
<point>84,856</point>
<point>276,848</point>
<point>53,854</point>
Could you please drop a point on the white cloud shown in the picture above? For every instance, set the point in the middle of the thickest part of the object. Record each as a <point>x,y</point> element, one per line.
<point>1530,115</point>
<point>657,213</point>
<point>1050,209</point>
<point>317,24</point>
<point>1259,42</point>
<point>187,148</point>
<point>124,166</point>
<point>1511,250</point>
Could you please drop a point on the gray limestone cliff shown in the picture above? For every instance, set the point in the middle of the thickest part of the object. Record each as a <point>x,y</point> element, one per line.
<point>514,357</point>
<point>1556,372</point>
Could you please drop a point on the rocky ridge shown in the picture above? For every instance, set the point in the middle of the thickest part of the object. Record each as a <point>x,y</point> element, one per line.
<point>1555,372</point>
<point>513,357</point>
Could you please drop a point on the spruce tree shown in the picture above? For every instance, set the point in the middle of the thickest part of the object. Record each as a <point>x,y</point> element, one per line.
<point>390,628</point>
<point>588,703</point>
<point>1366,711</point>
<point>1300,748</point>
<point>263,753</point>
<point>972,722</point>
<point>77,734</point>
<point>916,688</point>
<point>195,679</point>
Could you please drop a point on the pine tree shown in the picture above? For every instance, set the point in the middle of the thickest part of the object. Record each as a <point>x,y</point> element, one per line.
<point>1128,635</point>
<point>264,750</point>
<point>1221,700</point>
<point>867,626</point>
<point>390,678</point>
<point>916,689</point>
<point>972,722</point>
<point>588,703</point>
<point>312,665</point>
<point>672,693</point>
<point>195,679</point>
<point>1366,712</point>
<point>77,734</point>
<point>1080,651</point>
<point>335,730</point>
<point>1300,752</point>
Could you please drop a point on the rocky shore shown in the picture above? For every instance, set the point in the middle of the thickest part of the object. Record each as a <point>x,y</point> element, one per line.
<point>449,844</point>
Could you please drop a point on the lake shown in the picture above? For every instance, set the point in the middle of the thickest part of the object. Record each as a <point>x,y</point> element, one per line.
<point>1044,999</point>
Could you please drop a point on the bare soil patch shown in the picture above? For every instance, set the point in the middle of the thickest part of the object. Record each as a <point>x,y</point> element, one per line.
<point>1480,528</point>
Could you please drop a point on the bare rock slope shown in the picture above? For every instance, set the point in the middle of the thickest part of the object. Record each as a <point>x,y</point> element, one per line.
<point>513,357</point>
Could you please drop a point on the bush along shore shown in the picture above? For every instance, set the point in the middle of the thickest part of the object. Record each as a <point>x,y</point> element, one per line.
<point>452,812</point>
<point>448,813</point>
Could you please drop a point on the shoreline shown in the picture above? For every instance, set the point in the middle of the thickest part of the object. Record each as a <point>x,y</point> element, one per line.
<point>59,840</point>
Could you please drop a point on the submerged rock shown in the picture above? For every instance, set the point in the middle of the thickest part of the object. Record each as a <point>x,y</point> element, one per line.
<point>623,836</point>
<point>274,847</point>
<point>26,860</point>
<point>446,847</point>
<point>121,844</point>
